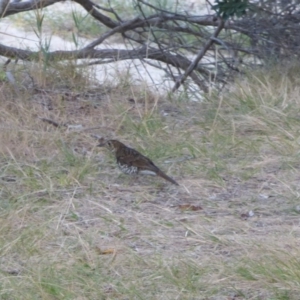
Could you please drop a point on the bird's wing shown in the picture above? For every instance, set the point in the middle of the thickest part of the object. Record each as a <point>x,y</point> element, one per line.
<point>135,158</point>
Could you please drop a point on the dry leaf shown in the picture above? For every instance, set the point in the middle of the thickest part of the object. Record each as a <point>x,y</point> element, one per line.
<point>106,251</point>
<point>190,207</point>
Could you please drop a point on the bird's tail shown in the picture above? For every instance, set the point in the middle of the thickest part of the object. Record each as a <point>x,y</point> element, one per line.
<point>165,176</point>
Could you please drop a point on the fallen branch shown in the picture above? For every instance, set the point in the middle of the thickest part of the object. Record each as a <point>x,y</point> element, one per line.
<point>143,52</point>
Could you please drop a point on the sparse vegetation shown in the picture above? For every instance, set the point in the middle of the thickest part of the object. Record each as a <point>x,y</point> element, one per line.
<point>73,227</point>
<point>63,24</point>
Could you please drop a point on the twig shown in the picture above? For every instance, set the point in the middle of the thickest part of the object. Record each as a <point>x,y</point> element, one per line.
<point>97,127</point>
<point>194,64</point>
<point>121,28</point>
<point>53,122</point>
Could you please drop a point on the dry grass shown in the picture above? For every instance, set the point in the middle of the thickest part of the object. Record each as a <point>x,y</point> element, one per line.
<point>73,227</point>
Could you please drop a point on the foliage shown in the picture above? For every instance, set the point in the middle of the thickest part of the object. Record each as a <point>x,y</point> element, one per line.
<point>230,8</point>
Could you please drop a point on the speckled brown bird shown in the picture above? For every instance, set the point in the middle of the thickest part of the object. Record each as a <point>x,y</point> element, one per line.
<point>131,161</point>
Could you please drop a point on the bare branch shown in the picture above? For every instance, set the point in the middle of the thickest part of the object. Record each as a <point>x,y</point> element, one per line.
<point>90,7</point>
<point>121,28</point>
<point>116,54</point>
<point>174,38</point>
<point>198,58</point>
<point>17,7</point>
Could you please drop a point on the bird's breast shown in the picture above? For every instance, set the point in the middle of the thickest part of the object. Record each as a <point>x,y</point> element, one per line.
<point>128,169</point>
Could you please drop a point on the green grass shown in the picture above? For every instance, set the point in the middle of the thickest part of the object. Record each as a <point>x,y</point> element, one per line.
<point>73,227</point>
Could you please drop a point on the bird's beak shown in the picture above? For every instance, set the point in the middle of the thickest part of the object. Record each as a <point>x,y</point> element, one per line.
<point>101,142</point>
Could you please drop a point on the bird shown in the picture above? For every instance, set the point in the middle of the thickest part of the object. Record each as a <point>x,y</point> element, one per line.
<point>132,162</point>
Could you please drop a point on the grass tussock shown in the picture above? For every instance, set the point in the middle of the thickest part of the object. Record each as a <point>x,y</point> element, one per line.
<point>73,227</point>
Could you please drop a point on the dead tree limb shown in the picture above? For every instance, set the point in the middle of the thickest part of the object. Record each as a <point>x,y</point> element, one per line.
<point>202,52</point>
<point>172,39</point>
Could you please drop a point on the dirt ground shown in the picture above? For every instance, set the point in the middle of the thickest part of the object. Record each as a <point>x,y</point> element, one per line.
<point>72,226</point>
